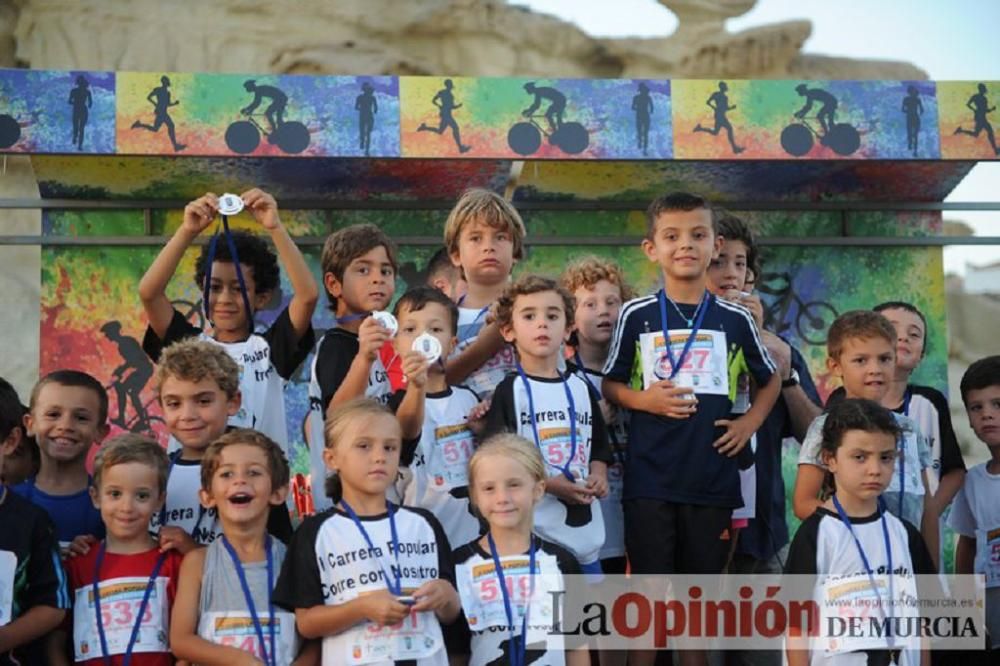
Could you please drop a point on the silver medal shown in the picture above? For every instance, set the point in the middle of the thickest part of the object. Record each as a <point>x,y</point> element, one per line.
<point>230,204</point>
<point>428,345</point>
<point>387,321</point>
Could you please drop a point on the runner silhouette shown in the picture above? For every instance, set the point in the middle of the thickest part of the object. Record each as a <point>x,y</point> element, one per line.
<point>980,106</point>
<point>128,388</point>
<point>444,100</point>
<point>275,111</point>
<point>642,104</point>
<point>719,103</point>
<point>913,108</point>
<point>160,99</point>
<point>557,104</point>
<point>367,106</point>
<point>827,113</point>
<point>81,100</point>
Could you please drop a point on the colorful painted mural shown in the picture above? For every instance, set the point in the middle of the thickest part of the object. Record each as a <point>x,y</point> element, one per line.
<point>968,113</point>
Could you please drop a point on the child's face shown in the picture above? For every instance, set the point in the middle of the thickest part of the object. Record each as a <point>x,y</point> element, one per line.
<point>538,325</point>
<point>65,423</point>
<point>596,311</point>
<point>910,336</point>
<point>983,408</point>
<point>865,366</point>
<point>368,284</point>
<point>128,497</point>
<point>225,300</point>
<point>505,493</point>
<point>367,455</point>
<point>683,243</point>
<point>727,274</point>
<point>242,490</point>
<point>196,413</point>
<point>484,253</point>
<point>863,464</point>
<point>433,319</point>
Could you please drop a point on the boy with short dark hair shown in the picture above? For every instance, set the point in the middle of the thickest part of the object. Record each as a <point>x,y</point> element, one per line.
<point>23,460</point>
<point>669,363</point>
<point>359,266</point>
<point>267,360</point>
<point>445,276</point>
<point>975,513</point>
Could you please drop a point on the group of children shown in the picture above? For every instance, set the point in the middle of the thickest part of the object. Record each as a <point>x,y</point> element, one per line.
<point>489,434</point>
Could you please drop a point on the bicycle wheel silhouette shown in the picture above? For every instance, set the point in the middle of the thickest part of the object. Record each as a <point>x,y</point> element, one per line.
<point>814,320</point>
<point>242,137</point>
<point>524,138</point>
<point>10,131</point>
<point>796,139</point>
<point>571,137</point>
<point>291,137</point>
<point>843,139</point>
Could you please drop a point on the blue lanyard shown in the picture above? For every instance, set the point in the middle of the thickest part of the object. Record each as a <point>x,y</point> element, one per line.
<point>395,583</point>
<point>864,558</point>
<point>675,366</point>
<point>572,421</point>
<point>210,257</point>
<point>907,395</point>
<point>138,616</point>
<point>265,653</point>
<point>349,318</point>
<point>174,457</point>
<point>518,652</point>
<point>902,473</point>
<point>485,309</point>
<point>616,446</point>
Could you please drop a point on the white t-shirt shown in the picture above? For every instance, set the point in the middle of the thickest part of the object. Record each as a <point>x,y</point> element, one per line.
<point>485,379</point>
<point>183,508</point>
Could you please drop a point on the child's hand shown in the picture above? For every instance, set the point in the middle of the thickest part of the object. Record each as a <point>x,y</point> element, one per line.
<point>371,336</point>
<point>80,545</point>
<point>435,595</point>
<point>199,213</point>
<point>597,480</point>
<point>383,609</point>
<point>244,659</point>
<point>478,412</point>
<point>568,491</point>
<point>263,207</point>
<point>415,367</point>
<point>756,308</point>
<point>738,433</point>
<point>780,352</point>
<point>173,537</point>
<point>665,399</point>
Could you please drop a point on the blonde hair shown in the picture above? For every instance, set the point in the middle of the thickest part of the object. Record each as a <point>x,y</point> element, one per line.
<point>507,445</point>
<point>132,447</point>
<point>337,423</point>
<point>193,360</point>
<point>588,270</point>
<point>277,464</point>
<point>491,209</point>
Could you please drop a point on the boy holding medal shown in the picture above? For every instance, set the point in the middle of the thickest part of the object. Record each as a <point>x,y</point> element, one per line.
<point>124,587</point>
<point>223,613</point>
<point>681,476</point>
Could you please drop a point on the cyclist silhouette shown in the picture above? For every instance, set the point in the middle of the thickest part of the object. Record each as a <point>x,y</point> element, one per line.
<point>980,106</point>
<point>128,387</point>
<point>275,111</point>
<point>367,106</point>
<point>642,104</point>
<point>912,108</point>
<point>827,113</point>
<point>81,100</point>
<point>160,99</point>
<point>719,103</point>
<point>557,104</point>
<point>444,100</point>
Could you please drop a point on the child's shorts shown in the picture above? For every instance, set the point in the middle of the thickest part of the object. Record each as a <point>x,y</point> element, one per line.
<point>667,537</point>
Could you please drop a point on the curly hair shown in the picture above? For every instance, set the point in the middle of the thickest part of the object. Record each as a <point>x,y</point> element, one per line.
<point>277,464</point>
<point>347,244</point>
<point>193,360</point>
<point>254,253</point>
<point>503,309</point>
<point>588,270</point>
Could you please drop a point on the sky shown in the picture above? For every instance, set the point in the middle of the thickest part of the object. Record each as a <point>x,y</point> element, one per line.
<point>953,40</point>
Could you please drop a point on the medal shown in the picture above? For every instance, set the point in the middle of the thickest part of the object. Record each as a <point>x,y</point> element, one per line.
<point>428,345</point>
<point>230,204</point>
<point>386,321</point>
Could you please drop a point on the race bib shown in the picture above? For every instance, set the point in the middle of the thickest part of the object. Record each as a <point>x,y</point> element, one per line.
<point>850,602</point>
<point>237,630</point>
<point>418,636</point>
<point>557,447</point>
<point>8,569</point>
<point>482,599</point>
<point>704,367</point>
<point>120,601</point>
<point>988,544</point>
<point>454,444</point>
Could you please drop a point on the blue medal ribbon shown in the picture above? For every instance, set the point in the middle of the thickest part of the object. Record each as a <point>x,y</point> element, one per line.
<point>699,316</point>
<point>907,396</point>
<point>518,651</point>
<point>138,617</point>
<point>210,258</point>
<point>572,421</point>
<point>478,317</point>
<point>394,583</point>
<point>349,318</point>
<point>269,656</point>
